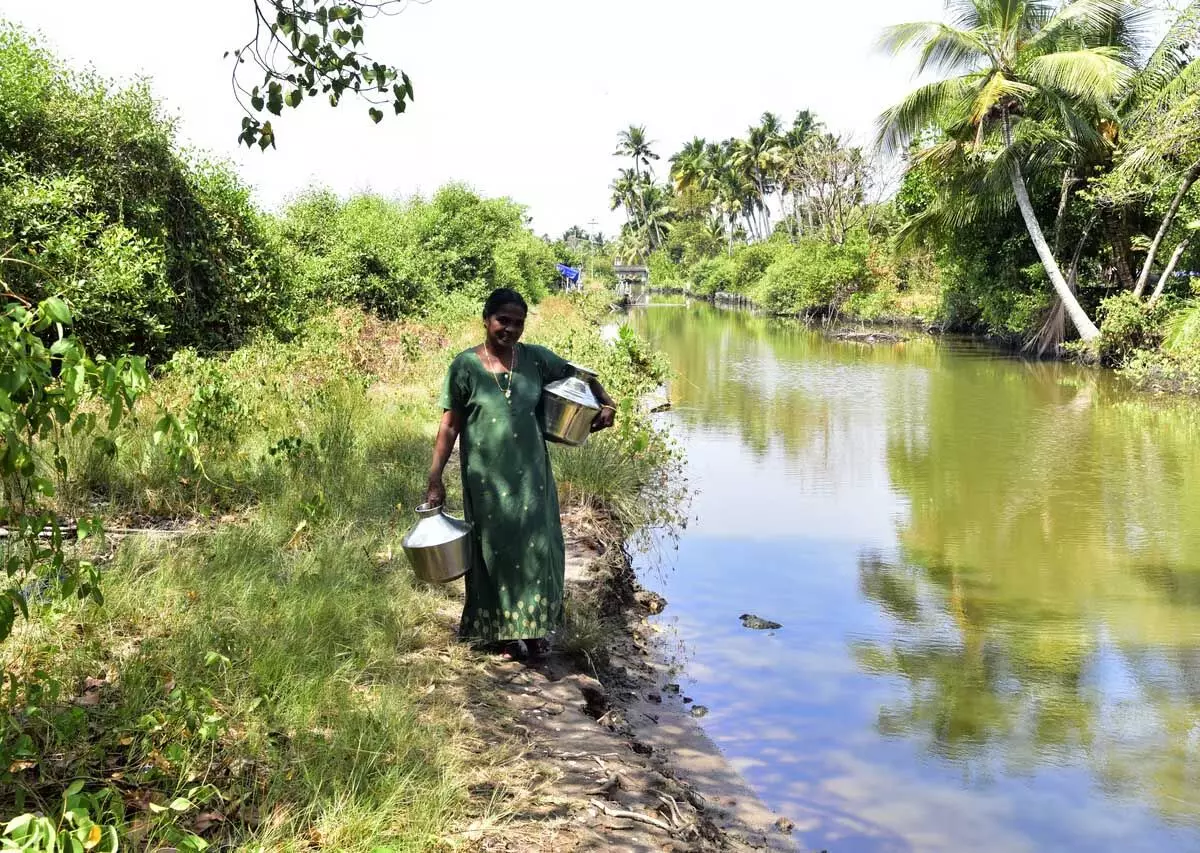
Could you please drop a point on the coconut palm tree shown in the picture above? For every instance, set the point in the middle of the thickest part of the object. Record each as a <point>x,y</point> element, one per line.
<point>756,156</point>
<point>632,143</point>
<point>731,188</point>
<point>794,162</point>
<point>1021,77</point>
<point>626,188</point>
<point>689,166</point>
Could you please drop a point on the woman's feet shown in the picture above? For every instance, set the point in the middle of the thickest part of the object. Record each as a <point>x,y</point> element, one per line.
<point>510,650</point>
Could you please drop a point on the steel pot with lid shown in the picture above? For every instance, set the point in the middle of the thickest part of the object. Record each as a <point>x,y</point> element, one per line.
<point>569,407</point>
<point>438,546</point>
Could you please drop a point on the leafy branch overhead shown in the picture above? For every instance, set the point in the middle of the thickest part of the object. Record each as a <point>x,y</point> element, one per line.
<point>306,49</point>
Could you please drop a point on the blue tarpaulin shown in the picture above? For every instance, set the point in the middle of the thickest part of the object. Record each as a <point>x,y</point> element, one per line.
<point>569,273</point>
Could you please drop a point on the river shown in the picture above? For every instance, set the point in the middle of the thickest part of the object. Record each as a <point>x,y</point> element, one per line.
<point>988,576</point>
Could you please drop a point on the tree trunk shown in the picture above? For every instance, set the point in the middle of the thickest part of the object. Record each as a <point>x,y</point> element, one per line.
<point>1064,198</point>
<point>1118,241</point>
<point>1188,179</point>
<point>1079,318</point>
<point>1054,329</point>
<point>1168,269</point>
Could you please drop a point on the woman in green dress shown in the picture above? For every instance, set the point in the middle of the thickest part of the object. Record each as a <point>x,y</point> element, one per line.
<point>491,405</point>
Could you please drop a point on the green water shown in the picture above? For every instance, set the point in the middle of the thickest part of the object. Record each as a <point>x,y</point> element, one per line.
<point>988,572</point>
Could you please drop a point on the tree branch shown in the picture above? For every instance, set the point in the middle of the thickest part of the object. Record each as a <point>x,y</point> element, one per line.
<point>1169,269</point>
<point>1193,173</point>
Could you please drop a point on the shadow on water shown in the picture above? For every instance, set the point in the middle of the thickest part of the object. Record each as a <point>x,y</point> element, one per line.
<point>988,572</point>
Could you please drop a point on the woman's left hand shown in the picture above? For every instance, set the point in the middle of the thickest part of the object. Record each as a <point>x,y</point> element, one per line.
<point>605,419</point>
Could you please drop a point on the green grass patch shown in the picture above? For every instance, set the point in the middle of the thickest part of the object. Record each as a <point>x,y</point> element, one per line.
<point>274,677</point>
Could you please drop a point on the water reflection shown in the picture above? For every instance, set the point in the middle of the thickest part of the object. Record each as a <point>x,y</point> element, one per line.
<point>989,576</point>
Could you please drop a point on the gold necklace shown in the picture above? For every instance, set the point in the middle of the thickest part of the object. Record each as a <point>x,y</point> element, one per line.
<point>506,389</point>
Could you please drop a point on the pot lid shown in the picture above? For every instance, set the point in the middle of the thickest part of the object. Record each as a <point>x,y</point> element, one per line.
<point>574,390</point>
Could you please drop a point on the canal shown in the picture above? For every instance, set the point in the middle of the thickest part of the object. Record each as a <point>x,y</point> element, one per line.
<point>988,576</point>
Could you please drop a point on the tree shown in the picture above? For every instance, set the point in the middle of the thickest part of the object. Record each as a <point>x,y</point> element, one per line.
<point>1022,79</point>
<point>306,48</point>
<point>793,165</point>
<point>632,143</point>
<point>756,156</point>
<point>689,168</point>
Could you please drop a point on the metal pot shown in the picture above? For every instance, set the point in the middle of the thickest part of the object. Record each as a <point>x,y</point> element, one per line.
<point>569,407</point>
<point>438,545</point>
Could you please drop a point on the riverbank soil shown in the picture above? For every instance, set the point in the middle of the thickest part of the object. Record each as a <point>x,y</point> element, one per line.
<point>613,759</point>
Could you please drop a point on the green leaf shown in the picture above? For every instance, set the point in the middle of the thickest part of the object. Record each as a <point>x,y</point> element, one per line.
<point>115,412</point>
<point>376,115</point>
<point>64,346</point>
<point>292,99</point>
<point>57,310</point>
<point>180,804</point>
<point>74,788</point>
<point>257,102</point>
<point>17,823</point>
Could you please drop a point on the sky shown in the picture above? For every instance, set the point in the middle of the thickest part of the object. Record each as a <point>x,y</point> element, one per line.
<point>521,99</point>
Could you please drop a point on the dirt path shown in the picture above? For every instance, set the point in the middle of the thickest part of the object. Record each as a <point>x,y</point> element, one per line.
<point>619,763</point>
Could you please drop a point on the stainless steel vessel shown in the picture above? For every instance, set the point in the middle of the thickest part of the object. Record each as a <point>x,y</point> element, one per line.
<point>569,407</point>
<point>438,545</point>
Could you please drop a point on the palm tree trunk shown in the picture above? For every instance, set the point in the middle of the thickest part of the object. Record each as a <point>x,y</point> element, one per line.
<point>1079,318</point>
<point>1168,269</point>
<point>1083,324</point>
<point>1188,179</point>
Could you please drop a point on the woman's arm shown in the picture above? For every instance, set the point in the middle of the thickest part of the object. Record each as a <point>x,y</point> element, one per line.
<point>448,432</point>
<point>608,412</point>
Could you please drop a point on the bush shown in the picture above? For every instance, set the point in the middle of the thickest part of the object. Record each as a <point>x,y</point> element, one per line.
<point>1128,324</point>
<point>152,250</point>
<point>812,276</point>
<point>714,275</point>
<point>398,258</point>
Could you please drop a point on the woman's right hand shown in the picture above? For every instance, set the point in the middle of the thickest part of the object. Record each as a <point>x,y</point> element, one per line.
<point>435,492</point>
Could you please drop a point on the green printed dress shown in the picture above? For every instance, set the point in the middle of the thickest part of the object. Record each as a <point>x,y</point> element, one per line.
<point>515,583</point>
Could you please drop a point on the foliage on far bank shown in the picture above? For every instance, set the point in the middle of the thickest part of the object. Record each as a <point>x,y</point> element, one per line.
<point>1051,166</point>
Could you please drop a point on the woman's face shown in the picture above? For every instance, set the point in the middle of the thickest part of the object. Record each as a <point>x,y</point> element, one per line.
<point>506,325</point>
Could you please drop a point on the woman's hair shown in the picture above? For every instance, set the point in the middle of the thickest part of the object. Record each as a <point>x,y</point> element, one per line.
<point>500,297</point>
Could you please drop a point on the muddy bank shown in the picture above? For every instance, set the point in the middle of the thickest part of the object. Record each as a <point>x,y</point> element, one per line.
<point>611,757</point>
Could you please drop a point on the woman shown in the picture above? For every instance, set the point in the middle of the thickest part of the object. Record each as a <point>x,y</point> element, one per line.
<point>491,401</point>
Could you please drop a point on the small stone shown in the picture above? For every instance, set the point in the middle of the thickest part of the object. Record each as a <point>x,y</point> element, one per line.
<point>749,620</point>
<point>650,601</point>
<point>699,711</point>
<point>656,698</point>
<point>687,700</point>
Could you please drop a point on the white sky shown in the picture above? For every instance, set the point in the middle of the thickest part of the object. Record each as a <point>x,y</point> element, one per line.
<point>523,98</point>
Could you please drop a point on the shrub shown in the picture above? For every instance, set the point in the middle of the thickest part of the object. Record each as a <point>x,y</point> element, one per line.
<point>1128,324</point>
<point>152,250</point>
<point>812,276</point>
<point>397,258</point>
<point>714,275</point>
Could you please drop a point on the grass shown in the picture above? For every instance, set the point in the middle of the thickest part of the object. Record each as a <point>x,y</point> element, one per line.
<point>277,667</point>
